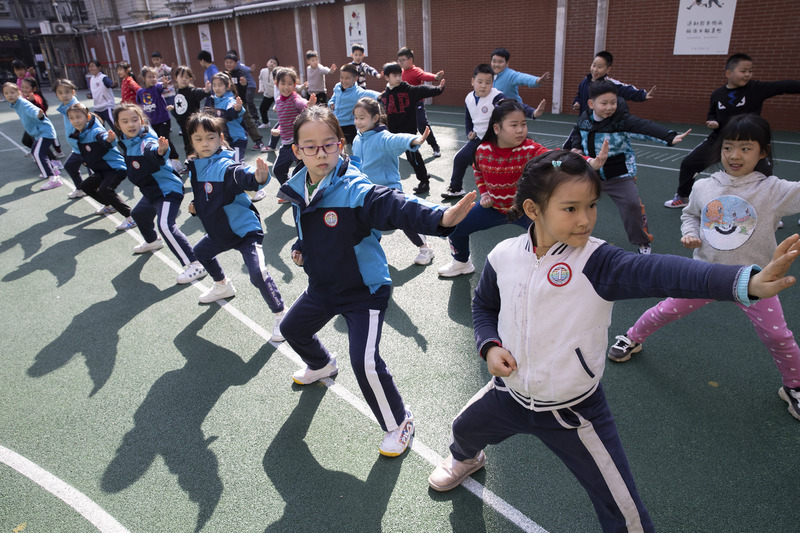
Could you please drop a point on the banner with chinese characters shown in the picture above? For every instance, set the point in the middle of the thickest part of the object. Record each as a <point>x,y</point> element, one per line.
<point>355,26</point>
<point>205,39</point>
<point>123,46</point>
<point>704,27</point>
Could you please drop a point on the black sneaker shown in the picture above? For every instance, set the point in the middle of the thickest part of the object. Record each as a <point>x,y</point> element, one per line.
<point>792,397</point>
<point>424,186</point>
<point>621,350</point>
<point>452,193</point>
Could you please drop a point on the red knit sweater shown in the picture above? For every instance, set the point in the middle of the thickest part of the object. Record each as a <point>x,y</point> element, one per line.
<point>497,170</point>
<point>128,89</point>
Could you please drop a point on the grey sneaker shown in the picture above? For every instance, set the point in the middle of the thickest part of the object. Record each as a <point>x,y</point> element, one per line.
<point>621,350</point>
<point>792,397</point>
<point>451,472</point>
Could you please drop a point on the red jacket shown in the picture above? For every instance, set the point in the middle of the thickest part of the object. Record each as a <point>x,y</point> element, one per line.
<point>497,170</point>
<point>417,76</point>
<point>129,88</point>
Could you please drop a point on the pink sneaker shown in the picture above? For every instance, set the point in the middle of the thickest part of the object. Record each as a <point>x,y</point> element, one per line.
<point>52,183</point>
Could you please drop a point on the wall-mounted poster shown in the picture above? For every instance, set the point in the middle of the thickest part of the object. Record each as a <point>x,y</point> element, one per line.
<point>355,26</point>
<point>704,27</point>
<point>205,38</point>
<point>123,46</point>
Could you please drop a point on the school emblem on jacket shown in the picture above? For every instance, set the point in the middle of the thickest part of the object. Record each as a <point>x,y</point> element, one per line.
<point>728,222</point>
<point>88,148</point>
<point>331,219</point>
<point>136,165</point>
<point>208,187</point>
<point>485,109</point>
<point>559,274</point>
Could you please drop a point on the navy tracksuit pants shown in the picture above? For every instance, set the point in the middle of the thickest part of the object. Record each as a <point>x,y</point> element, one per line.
<point>309,314</point>
<point>583,436</point>
<point>163,212</point>
<point>250,247</point>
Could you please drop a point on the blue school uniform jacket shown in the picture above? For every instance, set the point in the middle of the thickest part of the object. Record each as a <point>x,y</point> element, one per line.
<point>98,154</point>
<point>218,183</point>
<point>508,81</point>
<point>223,107</point>
<point>29,115</point>
<point>375,152</point>
<point>344,100</point>
<point>339,229</point>
<point>552,313</point>
<point>147,170</point>
<point>68,129</point>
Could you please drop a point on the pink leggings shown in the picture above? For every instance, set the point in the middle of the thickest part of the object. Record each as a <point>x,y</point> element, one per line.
<point>766,315</point>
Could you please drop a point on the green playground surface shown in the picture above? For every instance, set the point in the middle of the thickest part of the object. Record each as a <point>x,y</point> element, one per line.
<point>128,406</point>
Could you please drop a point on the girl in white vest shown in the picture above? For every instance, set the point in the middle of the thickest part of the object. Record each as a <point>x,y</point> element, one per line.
<point>101,86</point>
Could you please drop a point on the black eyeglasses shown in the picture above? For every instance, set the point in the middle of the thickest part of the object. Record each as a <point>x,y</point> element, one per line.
<point>312,150</point>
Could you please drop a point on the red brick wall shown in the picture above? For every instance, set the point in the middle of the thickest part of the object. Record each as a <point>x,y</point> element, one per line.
<point>464,32</point>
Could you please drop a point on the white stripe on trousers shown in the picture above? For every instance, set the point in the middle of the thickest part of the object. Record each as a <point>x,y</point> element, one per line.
<point>372,375</point>
<point>37,148</point>
<point>608,469</point>
<point>163,225</point>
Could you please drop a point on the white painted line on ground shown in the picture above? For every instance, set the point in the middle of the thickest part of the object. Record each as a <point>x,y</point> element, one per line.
<point>88,509</point>
<point>15,143</point>
<point>498,504</point>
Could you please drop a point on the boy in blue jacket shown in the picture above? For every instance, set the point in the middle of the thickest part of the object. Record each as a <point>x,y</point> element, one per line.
<point>345,95</point>
<point>605,121</point>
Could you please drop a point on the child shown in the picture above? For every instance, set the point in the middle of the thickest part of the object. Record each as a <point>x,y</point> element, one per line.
<point>339,217</point>
<point>21,71</point>
<point>604,121</point>
<point>377,151</point>
<point>598,71</point>
<point>400,101</point>
<point>39,128</point>
<point>246,88</point>
<point>128,86</point>
<point>162,190</point>
<point>150,98</point>
<point>287,107</point>
<point>507,80</point>
<point>105,161</point>
<point>227,104</point>
<point>315,74</point>
<point>100,87</point>
<point>479,106</point>
<point>30,91</point>
<point>731,219</point>
<point>357,54</point>
<point>739,96</point>
<point>163,73</point>
<point>345,95</point>
<point>209,68</point>
<point>414,76</point>
<point>266,86</point>
<point>65,92</point>
<point>188,100</point>
<point>541,313</point>
<point>230,219</point>
<point>498,165</point>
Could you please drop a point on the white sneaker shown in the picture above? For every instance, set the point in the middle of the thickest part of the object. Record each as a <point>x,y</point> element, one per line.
<point>128,223</point>
<point>306,376</point>
<point>644,249</point>
<point>148,246</point>
<point>260,195</point>
<point>451,472</point>
<point>105,210</point>
<point>396,441</point>
<point>456,268</point>
<point>218,291</point>
<point>193,272</point>
<point>263,126</point>
<point>52,183</point>
<point>177,166</point>
<point>276,327</point>
<point>77,193</point>
<point>425,255</point>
